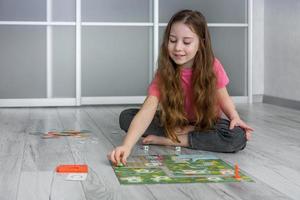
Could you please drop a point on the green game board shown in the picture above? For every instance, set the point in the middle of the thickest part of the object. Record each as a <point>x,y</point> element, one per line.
<point>157,169</point>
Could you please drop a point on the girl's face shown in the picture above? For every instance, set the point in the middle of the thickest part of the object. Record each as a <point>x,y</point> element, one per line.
<point>183,45</point>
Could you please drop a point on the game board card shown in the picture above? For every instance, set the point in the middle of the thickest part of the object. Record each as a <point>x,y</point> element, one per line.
<point>49,136</point>
<point>56,134</point>
<point>151,169</point>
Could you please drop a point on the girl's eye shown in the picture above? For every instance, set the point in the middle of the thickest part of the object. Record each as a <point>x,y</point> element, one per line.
<point>187,43</point>
<point>172,41</point>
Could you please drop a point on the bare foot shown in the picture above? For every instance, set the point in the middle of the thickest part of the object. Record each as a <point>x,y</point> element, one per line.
<point>153,139</point>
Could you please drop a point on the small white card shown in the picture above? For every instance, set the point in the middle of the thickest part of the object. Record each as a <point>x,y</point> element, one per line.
<point>76,176</point>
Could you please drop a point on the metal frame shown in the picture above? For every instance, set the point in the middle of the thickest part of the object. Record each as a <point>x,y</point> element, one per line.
<point>78,52</point>
<point>49,56</point>
<point>79,100</point>
<point>250,50</point>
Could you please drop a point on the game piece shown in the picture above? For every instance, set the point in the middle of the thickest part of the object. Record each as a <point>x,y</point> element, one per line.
<point>120,165</point>
<point>146,148</point>
<point>72,169</point>
<point>236,171</point>
<point>177,149</point>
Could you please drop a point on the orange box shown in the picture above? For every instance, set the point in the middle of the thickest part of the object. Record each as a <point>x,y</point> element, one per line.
<point>72,169</point>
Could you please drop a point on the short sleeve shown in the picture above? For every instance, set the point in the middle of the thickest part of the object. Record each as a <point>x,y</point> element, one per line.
<point>222,78</point>
<point>153,87</point>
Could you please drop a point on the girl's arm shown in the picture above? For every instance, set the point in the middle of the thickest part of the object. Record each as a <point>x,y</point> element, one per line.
<point>227,106</point>
<point>141,121</point>
<point>139,124</point>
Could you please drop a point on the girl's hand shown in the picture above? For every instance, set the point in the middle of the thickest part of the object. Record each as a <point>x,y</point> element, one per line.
<point>119,155</point>
<point>238,122</point>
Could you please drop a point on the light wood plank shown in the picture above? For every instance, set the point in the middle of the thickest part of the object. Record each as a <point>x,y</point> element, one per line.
<point>27,162</point>
<point>174,191</point>
<point>253,191</point>
<point>12,141</point>
<point>38,180</point>
<point>102,182</point>
<point>275,147</point>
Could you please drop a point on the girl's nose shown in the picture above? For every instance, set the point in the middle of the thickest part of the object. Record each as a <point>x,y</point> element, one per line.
<point>178,46</point>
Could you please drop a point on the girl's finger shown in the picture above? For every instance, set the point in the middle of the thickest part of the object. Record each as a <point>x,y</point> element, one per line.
<point>248,135</point>
<point>247,127</point>
<point>117,157</point>
<point>112,157</point>
<point>232,124</point>
<point>124,158</point>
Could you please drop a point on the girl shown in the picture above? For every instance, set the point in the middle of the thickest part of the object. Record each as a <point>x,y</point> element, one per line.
<point>190,89</point>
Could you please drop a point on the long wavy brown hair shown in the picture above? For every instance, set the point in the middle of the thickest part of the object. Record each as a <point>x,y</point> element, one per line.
<point>172,113</point>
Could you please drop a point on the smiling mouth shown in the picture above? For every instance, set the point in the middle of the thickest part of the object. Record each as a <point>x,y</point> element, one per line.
<point>178,56</point>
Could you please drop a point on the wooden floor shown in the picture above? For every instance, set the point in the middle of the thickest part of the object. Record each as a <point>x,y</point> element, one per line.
<point>27,162</point>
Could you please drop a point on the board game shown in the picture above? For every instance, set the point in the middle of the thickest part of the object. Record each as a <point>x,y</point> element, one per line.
<point>160,169</point>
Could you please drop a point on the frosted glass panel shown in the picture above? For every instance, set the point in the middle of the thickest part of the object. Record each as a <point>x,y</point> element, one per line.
<point>63,10</point>
<point>115,61</point>
<point>23,62</point>
<point>230,47</point>
<point>117,10</point>
<point>64,68</point>
<point>20,10</point>
<point>215,11</point>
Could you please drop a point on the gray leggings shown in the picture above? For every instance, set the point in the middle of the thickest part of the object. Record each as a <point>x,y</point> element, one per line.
<point>219,139</point>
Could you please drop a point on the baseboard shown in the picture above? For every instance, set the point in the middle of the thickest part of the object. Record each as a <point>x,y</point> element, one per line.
<point>257,98</point>
<point>281,102</point>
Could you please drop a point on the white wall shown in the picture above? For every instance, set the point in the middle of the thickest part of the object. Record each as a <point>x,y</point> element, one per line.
<point>282,49</point>
<point>258,47</point>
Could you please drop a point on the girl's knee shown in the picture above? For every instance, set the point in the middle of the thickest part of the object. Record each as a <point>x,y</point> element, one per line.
<point>232,140</point>
<point>225,140</point>
<point>239,140</point>
<point>126,117</point>
<point>123,114</point>
<point>238,133</point>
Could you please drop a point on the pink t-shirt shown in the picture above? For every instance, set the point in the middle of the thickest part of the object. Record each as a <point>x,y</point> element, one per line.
<point>186,81</point>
